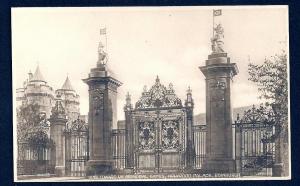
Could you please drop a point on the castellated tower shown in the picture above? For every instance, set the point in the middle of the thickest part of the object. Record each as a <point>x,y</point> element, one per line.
<point>20,96</point>
<point>20,92</point>
<point>37,91</point>
<point>70,100</point>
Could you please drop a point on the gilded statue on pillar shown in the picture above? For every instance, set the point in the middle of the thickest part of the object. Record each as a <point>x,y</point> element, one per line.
<point>217,42</point>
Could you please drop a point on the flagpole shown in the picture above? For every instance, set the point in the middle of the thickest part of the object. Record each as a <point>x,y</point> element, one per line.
<point>106,41</point>
<point>213,23</point>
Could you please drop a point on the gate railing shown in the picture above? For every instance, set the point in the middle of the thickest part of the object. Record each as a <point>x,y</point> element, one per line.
<point>118,148</point>
<point>254,142</point>
<point>200,145</point>
<point>33,161</point>
<point>77,152</point>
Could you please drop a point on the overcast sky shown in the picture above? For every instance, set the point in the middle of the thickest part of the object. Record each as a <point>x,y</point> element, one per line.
<point>171,42</point>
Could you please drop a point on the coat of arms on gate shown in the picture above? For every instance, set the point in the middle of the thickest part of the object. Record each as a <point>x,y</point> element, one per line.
<point>170,134</point>
<point>146,135</point>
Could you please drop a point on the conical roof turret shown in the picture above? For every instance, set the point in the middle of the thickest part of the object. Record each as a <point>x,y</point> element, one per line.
<point>37,76</point>
<point>67,85</point>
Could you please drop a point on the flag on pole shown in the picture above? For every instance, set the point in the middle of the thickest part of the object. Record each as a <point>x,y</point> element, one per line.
<point>217,12</point>
<point>102,31</point>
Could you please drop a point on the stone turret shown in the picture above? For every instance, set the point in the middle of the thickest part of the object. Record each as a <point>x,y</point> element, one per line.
<point>70,100</point>
<point>20,92</point>
<point>37,91</point>
<point>20,97</point>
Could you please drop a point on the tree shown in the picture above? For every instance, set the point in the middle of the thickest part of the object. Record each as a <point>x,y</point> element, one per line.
<point>271,79</point>
<point>30,128</point>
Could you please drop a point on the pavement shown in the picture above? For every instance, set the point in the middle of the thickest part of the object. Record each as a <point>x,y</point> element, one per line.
<point>50,179</point>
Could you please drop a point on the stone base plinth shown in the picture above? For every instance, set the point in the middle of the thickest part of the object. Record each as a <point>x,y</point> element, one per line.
<point>219,166</point>
<point>277,170</point>
<point>99,167</point>
<point>189,170</point>
<point>60,171</point>
<point>128,171</point>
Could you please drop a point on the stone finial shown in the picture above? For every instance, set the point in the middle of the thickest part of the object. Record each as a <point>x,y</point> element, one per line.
<point>128,105</point>
<point>171,88</point>
<point>189,100</point>
<point>30,75</point>
<point>145,88</point>
<point>189,90</point>
<point>128,99</point>
<point>58,110</point>
<point>157,79</point>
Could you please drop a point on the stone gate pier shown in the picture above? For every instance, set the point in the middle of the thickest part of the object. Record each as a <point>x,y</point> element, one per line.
<point>218,72</point>
<point>102,115</point>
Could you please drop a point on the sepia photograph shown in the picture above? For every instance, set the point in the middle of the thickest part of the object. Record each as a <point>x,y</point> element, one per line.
<point>166,93</point>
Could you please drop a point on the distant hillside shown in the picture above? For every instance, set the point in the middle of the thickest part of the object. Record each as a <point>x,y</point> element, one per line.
<point>200,119</point>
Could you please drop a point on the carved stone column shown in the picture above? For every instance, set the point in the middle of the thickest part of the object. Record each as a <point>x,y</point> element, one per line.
<point>219,139</point>
<point>102,117</point>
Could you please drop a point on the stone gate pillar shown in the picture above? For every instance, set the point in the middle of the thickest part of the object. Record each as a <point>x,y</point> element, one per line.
<point>58,122</point>
<point>129,149</point>
<point>190,148</point>
<point>218,72</point>
<point>102,116</point>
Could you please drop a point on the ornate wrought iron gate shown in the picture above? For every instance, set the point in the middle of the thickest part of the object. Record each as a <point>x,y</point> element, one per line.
<point>255,147</point>
<point>76,138</point>
<point>159,123</point>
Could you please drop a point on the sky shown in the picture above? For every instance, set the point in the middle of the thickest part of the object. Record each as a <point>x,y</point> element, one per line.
<point>171,42</point>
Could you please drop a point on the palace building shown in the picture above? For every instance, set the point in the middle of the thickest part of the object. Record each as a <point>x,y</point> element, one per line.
<point>36,90</point>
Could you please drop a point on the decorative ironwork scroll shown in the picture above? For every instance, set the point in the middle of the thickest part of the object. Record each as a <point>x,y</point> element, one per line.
<point>158,97</point>
<point>256,116</point>
<point>254,133</point>
<point>170,134</point>
<point>76,136</point>
<point>146,135</point>
<point>78,126</point>
<point>159,131</point>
